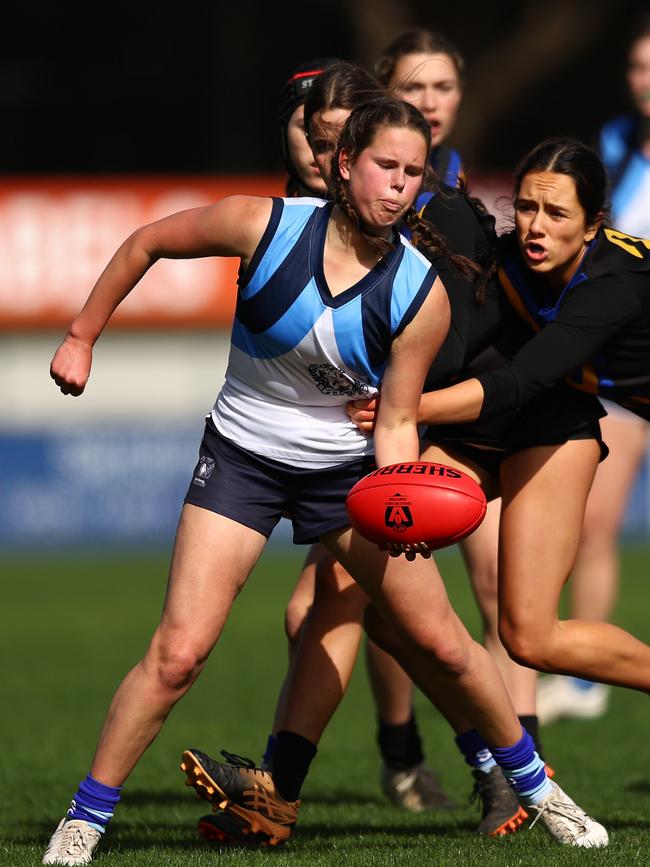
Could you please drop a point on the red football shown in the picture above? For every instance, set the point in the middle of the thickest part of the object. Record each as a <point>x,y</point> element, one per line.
<point>416,502</point>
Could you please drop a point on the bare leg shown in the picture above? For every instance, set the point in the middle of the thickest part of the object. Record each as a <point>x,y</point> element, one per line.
<point>481,552</point>
<point>594,583</point>
<point>327,651</point>
<point>212,558</point>
<point>411,597</point>
<point>544,494</point>
<point>297,611</point>
<point>392,688</point>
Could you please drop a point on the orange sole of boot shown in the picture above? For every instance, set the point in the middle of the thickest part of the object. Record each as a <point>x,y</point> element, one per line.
<point>215,835</point>
<point>511,825</point>
<point>207,789</point>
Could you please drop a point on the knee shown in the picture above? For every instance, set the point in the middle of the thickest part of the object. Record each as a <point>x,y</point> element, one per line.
<point>175,664</point>
<point>526,643</point>
<point>445,653</point>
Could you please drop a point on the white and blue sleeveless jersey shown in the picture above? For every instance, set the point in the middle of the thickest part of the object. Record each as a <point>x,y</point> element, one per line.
<point>629,173</point>
<point>299,354</point>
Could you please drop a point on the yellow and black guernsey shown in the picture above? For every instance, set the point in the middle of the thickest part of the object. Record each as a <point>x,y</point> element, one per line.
<point>595,334</point>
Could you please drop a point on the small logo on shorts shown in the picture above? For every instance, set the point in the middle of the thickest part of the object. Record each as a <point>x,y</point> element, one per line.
<point>203,471</point>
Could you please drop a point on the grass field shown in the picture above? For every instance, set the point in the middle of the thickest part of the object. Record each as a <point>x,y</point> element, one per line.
<point>73,625</point>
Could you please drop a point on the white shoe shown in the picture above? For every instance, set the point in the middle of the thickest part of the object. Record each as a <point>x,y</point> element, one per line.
<point>72,843</point>
<point>566,822</point>
<point>558,696</point>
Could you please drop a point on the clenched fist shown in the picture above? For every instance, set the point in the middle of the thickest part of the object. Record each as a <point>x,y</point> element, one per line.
<point>70,367</point>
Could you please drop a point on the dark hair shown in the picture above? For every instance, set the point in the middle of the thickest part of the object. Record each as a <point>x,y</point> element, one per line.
<point>568,156</point>
<point>416,41</point>
<point>358,133</point>
<point>342,85</point>
<point>294,93</point>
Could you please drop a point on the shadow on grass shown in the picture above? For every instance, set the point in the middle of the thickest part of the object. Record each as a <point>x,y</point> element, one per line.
<point>182,835</point>
<point>641,787</point>
<point>345,798</point>
<point>148,797</point>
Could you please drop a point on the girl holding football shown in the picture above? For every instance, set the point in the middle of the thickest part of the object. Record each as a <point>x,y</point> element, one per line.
<point>304,268</point>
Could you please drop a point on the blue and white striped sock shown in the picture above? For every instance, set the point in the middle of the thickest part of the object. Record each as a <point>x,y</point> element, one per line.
<point>94,803</point>
<point>524,770</point>
<point>475,751</point>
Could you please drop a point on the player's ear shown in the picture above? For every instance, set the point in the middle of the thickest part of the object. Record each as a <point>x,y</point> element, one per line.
<point>592,230</point>
<point>344,164</point>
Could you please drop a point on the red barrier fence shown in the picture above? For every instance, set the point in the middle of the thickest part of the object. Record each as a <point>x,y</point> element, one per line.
<point>57,235</point>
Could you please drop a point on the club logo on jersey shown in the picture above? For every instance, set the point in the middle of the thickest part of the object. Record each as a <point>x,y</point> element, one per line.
<point>203,471</point>
<point>333,380</point>
<point>398,514</point>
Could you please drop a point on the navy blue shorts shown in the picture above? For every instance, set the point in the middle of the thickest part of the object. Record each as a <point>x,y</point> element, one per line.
<point>256,491</point>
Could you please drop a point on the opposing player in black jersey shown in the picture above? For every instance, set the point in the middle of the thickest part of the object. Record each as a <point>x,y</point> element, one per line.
<point>580,294</point>
<point>624,147</point>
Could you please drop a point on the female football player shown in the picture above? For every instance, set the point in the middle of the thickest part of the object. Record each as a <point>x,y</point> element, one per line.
<point>306,268</point>
<point>303,177</point>
<point>424,68</point>
<point>579,291</point>
<point>625,150</point>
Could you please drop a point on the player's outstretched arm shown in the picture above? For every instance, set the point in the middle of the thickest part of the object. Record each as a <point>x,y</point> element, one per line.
<point>457,403</point>
<point>231,227</point>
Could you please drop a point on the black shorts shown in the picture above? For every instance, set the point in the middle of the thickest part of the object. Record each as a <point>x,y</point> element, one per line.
<point>555,417</point>
<point>256,491</point>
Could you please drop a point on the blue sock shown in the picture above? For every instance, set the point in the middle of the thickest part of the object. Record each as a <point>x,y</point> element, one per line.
<point>268,752</point>
<point>582,685</point>
<point>475,751</point>
<point>94,803</point>
<point>524,769</point>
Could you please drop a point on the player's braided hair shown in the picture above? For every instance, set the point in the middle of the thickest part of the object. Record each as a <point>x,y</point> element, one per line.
<point>357,134</point>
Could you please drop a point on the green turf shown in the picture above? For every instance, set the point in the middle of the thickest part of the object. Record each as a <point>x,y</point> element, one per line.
<point>73,625</point>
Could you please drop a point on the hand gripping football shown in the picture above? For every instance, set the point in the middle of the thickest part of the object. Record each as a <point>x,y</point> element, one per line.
<point>416,502</point>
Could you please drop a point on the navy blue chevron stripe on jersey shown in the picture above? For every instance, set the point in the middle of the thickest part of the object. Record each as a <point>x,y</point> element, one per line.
<point>266,303</point>
<point>289,219</point>
<point>273,318</point>
<point>287,330</point>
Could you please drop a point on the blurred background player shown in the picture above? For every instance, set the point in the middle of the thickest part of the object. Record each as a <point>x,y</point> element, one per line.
<point>424,68</point>
<point>625,150</point>
<point>303,177</point>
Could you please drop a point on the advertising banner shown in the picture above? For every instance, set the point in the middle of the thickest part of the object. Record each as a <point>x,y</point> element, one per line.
<point>58,234</point>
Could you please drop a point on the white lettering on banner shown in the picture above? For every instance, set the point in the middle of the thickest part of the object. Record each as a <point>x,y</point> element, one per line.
<point>53,248</point>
